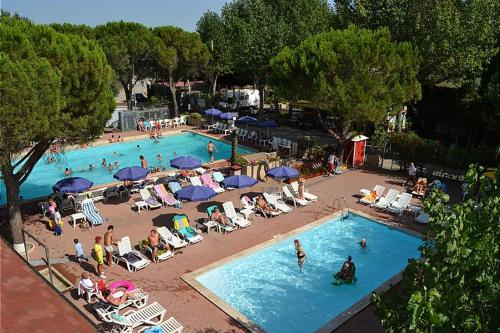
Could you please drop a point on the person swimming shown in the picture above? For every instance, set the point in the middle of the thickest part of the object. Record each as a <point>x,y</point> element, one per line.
<point>362,243</point>
<point>348,270</point>
<point>68,171</point>
<point>138,147</point>
<point>91,167</point>
<point>301,254</point>
<point>159,157</point>
<point>104,163</point>
<point>116,164</point>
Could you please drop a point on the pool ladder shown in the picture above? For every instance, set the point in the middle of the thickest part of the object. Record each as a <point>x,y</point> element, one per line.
<point>337,206</point>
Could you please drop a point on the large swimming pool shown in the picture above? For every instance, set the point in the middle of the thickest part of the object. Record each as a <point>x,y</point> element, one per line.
<point>269,289</point>
<point>45,175</point>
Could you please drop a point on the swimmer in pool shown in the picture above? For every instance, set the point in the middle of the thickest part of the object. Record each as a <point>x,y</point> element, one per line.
<point>301,254</point>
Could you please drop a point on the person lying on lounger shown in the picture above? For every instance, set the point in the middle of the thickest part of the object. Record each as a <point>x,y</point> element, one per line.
<point>262,203</point>
<point>218,217</point>
<point>118,297</point>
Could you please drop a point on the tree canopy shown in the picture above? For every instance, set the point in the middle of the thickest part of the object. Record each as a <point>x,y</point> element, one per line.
<point>455,39</point>
<point>127,48</point>
<point>53,87</point>
<point>455,286</point>
<point>356,74</point>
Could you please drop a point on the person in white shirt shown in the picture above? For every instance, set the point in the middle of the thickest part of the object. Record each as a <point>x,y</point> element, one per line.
<point>58,222</point>
<point>412,174</point>
<point>331,163</point>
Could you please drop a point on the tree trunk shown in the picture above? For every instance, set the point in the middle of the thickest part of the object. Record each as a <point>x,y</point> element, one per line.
<point>128,95</point>
<point>234,147</point>
<point>276,105</point>
<point>213,88</point>
<point>13,203</point>
<point>171,86</point>
<point>261,97</point>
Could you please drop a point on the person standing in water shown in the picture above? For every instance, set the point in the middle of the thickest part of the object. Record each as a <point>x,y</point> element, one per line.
<point>144,163</point>
<point>211,149</point>
<point>301,254</point>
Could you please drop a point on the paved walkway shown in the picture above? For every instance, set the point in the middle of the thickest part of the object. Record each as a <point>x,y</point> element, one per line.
<point>162,281</point>
<point>29,304</point>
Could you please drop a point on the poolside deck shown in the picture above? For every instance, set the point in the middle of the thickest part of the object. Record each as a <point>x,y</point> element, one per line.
<point>162,281</point>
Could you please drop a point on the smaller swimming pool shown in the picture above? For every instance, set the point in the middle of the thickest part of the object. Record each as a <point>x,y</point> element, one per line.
<point>268,287</point>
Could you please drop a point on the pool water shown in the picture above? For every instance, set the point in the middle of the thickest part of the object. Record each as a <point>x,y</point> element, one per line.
<point>268,287</point>
<point>45,175</point>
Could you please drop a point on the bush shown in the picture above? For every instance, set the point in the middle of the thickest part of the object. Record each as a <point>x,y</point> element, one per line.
<point>411,148</point>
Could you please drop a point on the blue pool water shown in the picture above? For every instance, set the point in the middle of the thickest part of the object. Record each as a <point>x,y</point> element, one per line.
<point>269,289</point>
<point>45,175</point>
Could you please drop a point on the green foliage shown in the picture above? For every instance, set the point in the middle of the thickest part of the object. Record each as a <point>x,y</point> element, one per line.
<point>53,86</point>
<point>356,74</point>
<point>127,48</point>
<point>454,39</point>
<point>409,147</point>
<point>455,285</point>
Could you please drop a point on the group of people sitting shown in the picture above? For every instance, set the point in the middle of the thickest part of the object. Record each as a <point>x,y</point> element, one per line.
<point>114,297</point>
<point>155,134</point>
<point>112,139</point>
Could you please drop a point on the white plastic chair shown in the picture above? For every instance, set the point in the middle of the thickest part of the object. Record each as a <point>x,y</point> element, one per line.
<point>388,199</point>
<point>279,205</point>
<point>236,218</point>
<point>296,200</point>
<point>152,314</point>
<point>400,204</point>
<point>175,241</point>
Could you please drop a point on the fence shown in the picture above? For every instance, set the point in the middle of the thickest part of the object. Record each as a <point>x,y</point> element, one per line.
<point>127,120</point>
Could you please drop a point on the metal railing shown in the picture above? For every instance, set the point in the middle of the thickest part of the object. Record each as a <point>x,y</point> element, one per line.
<point>47,258</point>
<point>337,206</point>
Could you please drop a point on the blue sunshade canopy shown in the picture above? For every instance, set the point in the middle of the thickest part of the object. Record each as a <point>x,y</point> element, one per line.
<point>195,193</point>
<point>131,173</point>
<point>246,120</point>
<point>72,185</point>
<point>212,112</point>
<point>240,181</point>
<point>283,172</point>
<point>185,162</point>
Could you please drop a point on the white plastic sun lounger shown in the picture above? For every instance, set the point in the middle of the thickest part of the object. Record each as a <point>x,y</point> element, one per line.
<point>237,219</point>
<point>123,255</point>
<point>148,199</point>
<point>138,300</point>
<point>171,325</point>
<point>389,198</point>
<point>152,314</point>
<point>377,189</point>
<point>400,204</point>
<point>195,181</point>
<point>171,239</point>
<point>290,197</point>
<point>279,205</point>
<point>91,212</point>
<point>309,196</point>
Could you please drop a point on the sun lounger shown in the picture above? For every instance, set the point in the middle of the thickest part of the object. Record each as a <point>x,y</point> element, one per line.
<point>377,188</point>
<point>195,181</point>
<point>369,197</point>
<point>132,258</point>
<point>171,325</point>
<point>200,170</point>
<point>208,181</point>
<point>181,224</point>
<point>97,195</point>
<point>307,195</point>
<point>296,200</point>
<point>138,299</point>
<point>80,197</point>
<point>91,212</point>
<point>174,187</point>
<point>266,213</point>
<point>161,255</point>
<point>165,197</point>
<point>279,205</point>
<point>400,204</point>
<point>221,227</point>
<point>237,219</point>
<point>173,240</point>
<point>152,314</point>
<point>385,201</point>
<point>148,199</point>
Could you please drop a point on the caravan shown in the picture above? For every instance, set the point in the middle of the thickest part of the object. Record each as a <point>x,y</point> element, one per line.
<point>240,98</point>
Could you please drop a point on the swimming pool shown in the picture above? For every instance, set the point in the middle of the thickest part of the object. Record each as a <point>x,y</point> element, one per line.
<point>45,175</point>
<point>269,289</point>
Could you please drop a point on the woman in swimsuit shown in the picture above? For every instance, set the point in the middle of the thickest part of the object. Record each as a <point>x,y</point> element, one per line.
<point>301,254</point>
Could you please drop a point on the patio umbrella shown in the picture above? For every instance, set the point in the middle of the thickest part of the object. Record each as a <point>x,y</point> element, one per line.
<point>131,173</point>
<point>72,185</point>
<point>195,193</point>
<point>282,172</point>
<point>213,113</point>
<point>240,181</point>
<point>185,162</point>
<point>246,120</point>
<point>267,124</point>
<point>227,115</point>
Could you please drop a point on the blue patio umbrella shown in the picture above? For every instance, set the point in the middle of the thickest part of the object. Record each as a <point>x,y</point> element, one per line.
<point>283,172</point>
<point>195,193</point>
<point>72,185</point>
<point>212,112</point>
<point>131,173</point>
<point>227,115</point>
<point>246,120</point>
<point>240,181</point>
<point>185,162</point>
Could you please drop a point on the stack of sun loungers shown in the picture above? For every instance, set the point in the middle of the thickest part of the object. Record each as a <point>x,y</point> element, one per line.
<point>392,201</point>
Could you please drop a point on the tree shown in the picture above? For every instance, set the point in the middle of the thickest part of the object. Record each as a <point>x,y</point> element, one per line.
<point>189,60</point>
<point>454,39</point>
<point>355,74</point>
<point>455,285</point>
<point>259,29</point>
<point>212,32</point>
<point>52,87</point>
<point>126,45</point>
